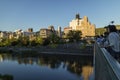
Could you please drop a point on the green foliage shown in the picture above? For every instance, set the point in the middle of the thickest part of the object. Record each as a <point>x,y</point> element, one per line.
<point>23,41</point>
<point>118,27</point>
<point>6,77</point>
<point>74,35</point>
<point>54,38</point>
<point>53,45</point>
<point>32,43</point>
<point>26,41</point>
<point>39,40</point>
<point>46,42</point>
<point>14,42</point>
<point>100,31</point>
<point>5,42</point>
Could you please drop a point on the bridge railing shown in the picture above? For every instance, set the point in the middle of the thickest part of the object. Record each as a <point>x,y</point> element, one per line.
<point>106,67</point>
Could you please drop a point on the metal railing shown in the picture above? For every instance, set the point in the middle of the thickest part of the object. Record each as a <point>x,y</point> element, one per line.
<point>106,67</point>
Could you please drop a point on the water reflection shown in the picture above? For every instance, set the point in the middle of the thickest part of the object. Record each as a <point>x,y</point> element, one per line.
<point>87,72</point>
<point>1,59</point>
<point>80,67</point>
<point>6,77</point>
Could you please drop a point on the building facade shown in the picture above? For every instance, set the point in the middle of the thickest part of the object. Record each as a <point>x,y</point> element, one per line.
<point>83,25</point>
<point>59,32</point>
<point>46,32</point>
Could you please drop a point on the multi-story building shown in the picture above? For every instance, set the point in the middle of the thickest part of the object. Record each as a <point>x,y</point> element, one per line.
<point>11,35</point>
<point>29,33</point>
<point>4,34</point>
<point>30,30</point>
<point>45,33</point>
<point>59,32</point>
<point>66,31</point>
<point>81,24</point>
<point>18,33</point>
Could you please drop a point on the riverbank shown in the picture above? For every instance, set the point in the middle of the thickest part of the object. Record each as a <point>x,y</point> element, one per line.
<point>46,50</point>
<point>71,50</point>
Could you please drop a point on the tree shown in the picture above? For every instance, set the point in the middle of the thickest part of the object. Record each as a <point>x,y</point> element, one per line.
<point>74,35</point>
<point>5,42</point>
<point>77,35</point>
<point>14,41</point>
<point>99,31</point>
<point>54,38</point>
<point>32,43</point>
<point>39,40</point>
<point>24,41</point>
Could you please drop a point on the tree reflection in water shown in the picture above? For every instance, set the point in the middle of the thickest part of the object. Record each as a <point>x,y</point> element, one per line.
<point>6,77</point>
<point>79,65</point>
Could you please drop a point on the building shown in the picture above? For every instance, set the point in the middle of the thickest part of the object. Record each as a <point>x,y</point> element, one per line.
<point>81,24</point>
<point>18,33</point>
<point>29,33</point>
<point>46,32</point>
<point>66,31</point>
<point>4,34</point>
<point>59,32</point>
<point>11,35</point>
<point>30,30</point>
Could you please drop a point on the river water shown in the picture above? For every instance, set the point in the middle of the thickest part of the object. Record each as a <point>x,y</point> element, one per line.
<point>46,67</point>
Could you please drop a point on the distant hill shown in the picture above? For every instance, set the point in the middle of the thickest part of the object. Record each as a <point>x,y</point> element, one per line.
<point>100,31</point>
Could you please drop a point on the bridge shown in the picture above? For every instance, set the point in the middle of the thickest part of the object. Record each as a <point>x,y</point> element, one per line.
<point>105,66</point>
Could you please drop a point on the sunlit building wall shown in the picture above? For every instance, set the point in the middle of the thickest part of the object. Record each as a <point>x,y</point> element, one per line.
<point>83,25</point>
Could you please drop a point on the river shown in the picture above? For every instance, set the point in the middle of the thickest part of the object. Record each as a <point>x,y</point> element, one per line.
<point>46,67</point>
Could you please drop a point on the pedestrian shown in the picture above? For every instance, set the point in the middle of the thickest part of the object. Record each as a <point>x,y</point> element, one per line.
<point>114,41</point>
<point>105,41</point>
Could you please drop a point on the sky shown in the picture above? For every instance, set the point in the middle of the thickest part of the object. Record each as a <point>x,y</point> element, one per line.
<point>37,14</point>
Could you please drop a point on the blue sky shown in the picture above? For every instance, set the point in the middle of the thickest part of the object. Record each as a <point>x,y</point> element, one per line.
<point>36,14</point>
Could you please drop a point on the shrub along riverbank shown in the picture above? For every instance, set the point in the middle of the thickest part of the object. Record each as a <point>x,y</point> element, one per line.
<point>71,48</point>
